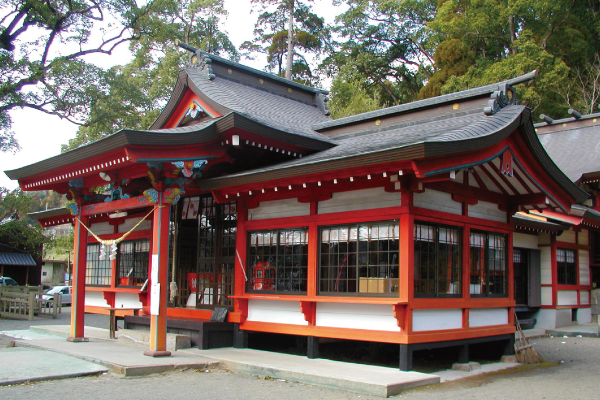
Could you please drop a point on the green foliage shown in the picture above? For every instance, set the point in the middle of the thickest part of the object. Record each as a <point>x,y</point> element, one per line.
<point>488,41</point>
<point>542,94</point>
<point>351,98</point>
<point>23,236</point>
<point>42,51</point>
<point>60,247</point>
<point>310,35</point>
<point>385,49</point>
<point>135,93</point>
<point>15,230</point>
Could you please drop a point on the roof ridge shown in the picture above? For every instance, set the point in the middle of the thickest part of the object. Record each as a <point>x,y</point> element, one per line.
<point>480,91</point>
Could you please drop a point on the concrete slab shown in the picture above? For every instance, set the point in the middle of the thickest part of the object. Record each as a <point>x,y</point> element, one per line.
<point>122,357</point>
<point>30,365</point>
<point>369,379</point>
<point>583,330</point>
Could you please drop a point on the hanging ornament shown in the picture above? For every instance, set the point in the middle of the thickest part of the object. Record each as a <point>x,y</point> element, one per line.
<point>113,251</point>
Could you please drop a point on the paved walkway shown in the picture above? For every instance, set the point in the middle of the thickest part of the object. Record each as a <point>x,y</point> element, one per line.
<point>45,348</point>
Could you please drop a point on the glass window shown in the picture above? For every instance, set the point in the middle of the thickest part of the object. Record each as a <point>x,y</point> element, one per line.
<point>438,263</point>
<point>566,265</point>
<point>359,258</point>
<point>488,264</point>
<point>278,260</point>
<point>97,272</point>
<point>133,262</point>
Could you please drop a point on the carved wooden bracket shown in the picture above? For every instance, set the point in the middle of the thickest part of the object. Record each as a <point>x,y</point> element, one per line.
<point>110,298</point>
<point>241,305</point>
<point>308,308</point>
<point>400,315</point>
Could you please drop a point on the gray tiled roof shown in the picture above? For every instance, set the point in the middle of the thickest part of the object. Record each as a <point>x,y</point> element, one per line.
<point>16,259</point>
<point>270,109</point>
<point>442,135</point>
<point>575,149</point>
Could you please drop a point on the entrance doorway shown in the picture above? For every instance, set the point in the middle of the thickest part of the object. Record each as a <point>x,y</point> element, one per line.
<point>205,252</point>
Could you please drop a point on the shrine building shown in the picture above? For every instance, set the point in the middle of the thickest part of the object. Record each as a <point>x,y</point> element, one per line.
<point>393,226</point>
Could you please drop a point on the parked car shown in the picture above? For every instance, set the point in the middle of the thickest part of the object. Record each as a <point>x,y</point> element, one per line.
<point>65,292</point>
<point>6,281</point>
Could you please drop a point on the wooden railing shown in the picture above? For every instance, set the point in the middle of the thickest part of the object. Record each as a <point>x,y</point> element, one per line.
<point>23,302</point>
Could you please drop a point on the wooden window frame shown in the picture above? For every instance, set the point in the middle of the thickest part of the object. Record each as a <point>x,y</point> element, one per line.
<point>366,286</point>
<point>456,273</point>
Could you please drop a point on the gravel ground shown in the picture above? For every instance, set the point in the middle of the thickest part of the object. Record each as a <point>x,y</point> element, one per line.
<point>571,371</point>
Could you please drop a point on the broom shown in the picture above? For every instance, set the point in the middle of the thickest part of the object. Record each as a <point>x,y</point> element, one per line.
<point>524,351</point>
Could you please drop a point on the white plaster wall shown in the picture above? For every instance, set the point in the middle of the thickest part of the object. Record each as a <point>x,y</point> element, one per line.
<point>544,238</point>
<point>566,298</point>
<point>584,316</point>
<point>355,200</point>
<point>546,296</point>
<point>130,223</point>
<point>488,211</point>
<point>48,269</point>
<point>487,317</point>
<point>279,209</point>
<point>375,317</point>
<point>567,236</point>
<point>439,201</point>
<point>95,299</point>
<point>583,237</point>
<point>584,267</point>
<point>525,241</point>
<point>545,319</point>
<point>546,265</point>
<point>437,320</point>
<point>127,300</point>
<point>584,297</point>
<point>281,312</point>
<point>101,228</point>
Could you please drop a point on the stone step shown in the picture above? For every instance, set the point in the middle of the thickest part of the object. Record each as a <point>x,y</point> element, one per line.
<point>174,341</point>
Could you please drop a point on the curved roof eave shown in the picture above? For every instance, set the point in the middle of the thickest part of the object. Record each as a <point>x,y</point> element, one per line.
<point>199,133</point>
<point>475,137</point>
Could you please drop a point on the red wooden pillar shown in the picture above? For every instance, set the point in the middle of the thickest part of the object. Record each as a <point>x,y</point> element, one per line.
<point>159,279</point>
<point>78,292</point>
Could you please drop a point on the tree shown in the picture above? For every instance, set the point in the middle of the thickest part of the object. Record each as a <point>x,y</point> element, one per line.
<point>133,95</point>
<point>15,230</point>
<point>282,31</point>
<point>482,42</point>
<point>384,47</point>
<point>43,46</point>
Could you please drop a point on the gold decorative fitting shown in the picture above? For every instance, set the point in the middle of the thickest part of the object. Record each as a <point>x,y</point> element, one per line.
<point>261,81</point>
<point>230,71</point>
<point>378,122</point>
<point>594,120</point>
<point>564,125</point>
<point>455,106</point>
<point>194,59</point>
<point>290,90</point>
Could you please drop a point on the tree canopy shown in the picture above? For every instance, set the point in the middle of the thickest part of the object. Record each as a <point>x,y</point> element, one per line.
<point>378,53</point>
<point>287,50</point>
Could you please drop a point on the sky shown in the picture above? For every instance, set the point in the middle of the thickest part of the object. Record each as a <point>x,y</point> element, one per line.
<point>41,136</point>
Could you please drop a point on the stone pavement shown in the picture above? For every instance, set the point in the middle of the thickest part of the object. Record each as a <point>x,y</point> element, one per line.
<point>583,330</point>
<point>45,348</point>
<point>22,364</point>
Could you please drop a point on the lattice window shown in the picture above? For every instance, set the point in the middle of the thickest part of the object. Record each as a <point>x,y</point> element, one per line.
<point>278,260</point>
<point>488,264</point>
<point>438,261</point>
<point>97,272</point>
<point>566,265</point>
<point>359,258</point>
<point>133,262</point>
